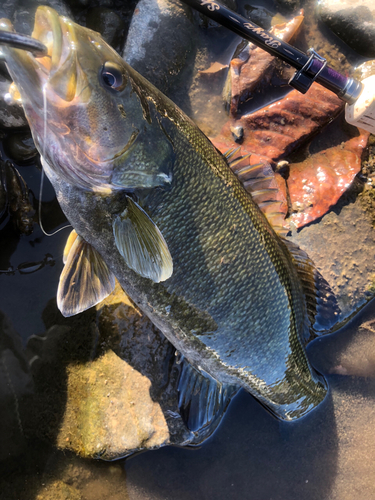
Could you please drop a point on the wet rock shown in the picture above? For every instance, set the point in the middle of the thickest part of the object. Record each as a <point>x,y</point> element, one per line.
<point>206,22</point>
<point>262,17</point>
<point>23,20</point>
<point>317,183</point>
<point>15,198</point>
<point>351,22</point>
<point>161,42</point>
<point>275,130</point>
<point>74,4</point>
<point>342,248</point>
<point>11,115</point>
<point>365,70</point>
<point>7,8</point>
<point>110,412</point>
<point>108,24</point>
<point>121,397</point>
<point>20,147</point>
<point>58,490</point>
<point>253,66</point>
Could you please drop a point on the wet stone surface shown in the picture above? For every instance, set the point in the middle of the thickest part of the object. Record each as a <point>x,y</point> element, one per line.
<point>116,376</point>
<point>108,24</point>
<point>351,22</point>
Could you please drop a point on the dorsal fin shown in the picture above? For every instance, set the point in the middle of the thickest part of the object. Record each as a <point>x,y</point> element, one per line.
<point>85,279</point>
<point>141,243</point>
<point>231,152</point>
<point>259,181</point>
<point>322,307</point>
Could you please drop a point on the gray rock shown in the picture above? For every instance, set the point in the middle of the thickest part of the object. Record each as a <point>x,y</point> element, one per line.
<point>287,7</point>
<point>342,247</point>
<point>161,42</point>
<point>20,147</point>
<point>8,8</point>
<point>351,22</point>
<point>23,20</point>
<point>108,24</point>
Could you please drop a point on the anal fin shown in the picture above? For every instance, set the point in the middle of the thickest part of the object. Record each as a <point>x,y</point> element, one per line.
<point>202,399</point>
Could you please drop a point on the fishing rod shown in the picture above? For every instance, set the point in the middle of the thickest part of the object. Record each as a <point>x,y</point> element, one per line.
<point>311,67</point>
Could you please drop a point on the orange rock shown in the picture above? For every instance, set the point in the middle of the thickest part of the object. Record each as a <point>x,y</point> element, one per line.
<point>318,182</point>
<point>275,130</point>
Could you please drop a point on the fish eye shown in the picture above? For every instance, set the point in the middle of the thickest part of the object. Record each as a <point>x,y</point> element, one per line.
<point>112,76</point>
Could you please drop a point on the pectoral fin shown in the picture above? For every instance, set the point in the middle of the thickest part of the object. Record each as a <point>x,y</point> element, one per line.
<point>85,279</point>
<point>141,244</point>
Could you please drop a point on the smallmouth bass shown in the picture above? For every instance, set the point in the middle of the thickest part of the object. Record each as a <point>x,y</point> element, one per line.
<point>154,204</point>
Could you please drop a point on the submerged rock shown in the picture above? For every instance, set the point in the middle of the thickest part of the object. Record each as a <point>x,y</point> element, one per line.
<point>253,66</point>
<point>23,20</point>
<point>342,247</point>
<point>317,183</point>
<point>58,490</point>
<point>117,377</point>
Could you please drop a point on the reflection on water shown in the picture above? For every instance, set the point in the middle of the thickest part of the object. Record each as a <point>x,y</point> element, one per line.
<point>329,454</point>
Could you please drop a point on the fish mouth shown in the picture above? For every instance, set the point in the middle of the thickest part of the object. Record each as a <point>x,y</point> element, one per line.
<point>60,67</point>
<point>47,29</point>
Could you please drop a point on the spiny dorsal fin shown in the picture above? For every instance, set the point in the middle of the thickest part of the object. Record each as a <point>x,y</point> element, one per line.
<point>322,307</point>
<point>231,152</point>
<point>259,181</point>
<point>85,279</point>
<point>141,243</point>
<point>202,399</point>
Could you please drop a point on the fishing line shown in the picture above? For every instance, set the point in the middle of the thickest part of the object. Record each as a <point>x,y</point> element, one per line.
<point>42,176</point>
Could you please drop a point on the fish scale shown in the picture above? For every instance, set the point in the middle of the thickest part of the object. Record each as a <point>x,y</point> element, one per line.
<point>234,305</point>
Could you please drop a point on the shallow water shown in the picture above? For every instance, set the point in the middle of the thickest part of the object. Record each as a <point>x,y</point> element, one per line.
<point>330,454</point>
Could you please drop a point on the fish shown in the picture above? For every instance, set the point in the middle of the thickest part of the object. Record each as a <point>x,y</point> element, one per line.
<point>154,204</point>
